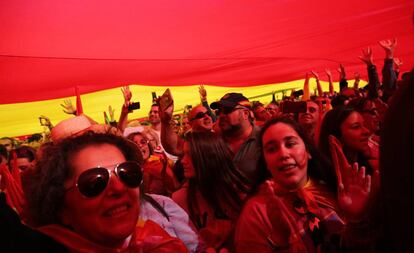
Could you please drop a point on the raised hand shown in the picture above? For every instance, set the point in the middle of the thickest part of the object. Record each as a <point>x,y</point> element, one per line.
<point>341,71</point>
<point>354,187</point>
<point>68,107</point>
<point>315,75</point>
<point>367,56</point>
<point>111,114</point>
<point>388,46</point>
<point>127,95</point>
<point>166,103</point>
<point>45,121</point>
<point>328,73</point>
<point>203,93</point>
<point>353,198</point>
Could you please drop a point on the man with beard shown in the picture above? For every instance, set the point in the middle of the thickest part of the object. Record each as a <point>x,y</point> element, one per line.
<point>310,120</point>
<point>238,131</point>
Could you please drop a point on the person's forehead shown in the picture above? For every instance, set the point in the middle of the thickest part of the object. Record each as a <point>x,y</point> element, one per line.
<point>5,142</point>
<point>312,104</point>
<point>353,117</point>
<point>259,108</point>
<point>196,110</point>
<point>22,161</point>
<point>138,137</point>
<point>154,108</point>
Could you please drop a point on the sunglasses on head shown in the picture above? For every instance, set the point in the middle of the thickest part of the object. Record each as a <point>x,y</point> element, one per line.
<point>200,115</point>
<point>94,181</point>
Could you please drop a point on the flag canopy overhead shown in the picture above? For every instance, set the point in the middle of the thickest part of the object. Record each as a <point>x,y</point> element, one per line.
<point>48,47</point>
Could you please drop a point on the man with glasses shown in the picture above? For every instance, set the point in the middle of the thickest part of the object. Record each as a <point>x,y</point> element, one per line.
<point>199,119</point>
<point>310,120</point>
<point>237,129</point>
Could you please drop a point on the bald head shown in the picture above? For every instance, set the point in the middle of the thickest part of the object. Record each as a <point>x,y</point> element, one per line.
<point>199,119</point>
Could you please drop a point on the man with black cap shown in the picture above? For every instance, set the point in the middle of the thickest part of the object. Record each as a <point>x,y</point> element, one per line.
<point>237,128</point>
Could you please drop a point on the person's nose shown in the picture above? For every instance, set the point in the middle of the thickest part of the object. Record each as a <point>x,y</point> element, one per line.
<point>283,153</point>
<point>365,130</point>
<point>115,186</point>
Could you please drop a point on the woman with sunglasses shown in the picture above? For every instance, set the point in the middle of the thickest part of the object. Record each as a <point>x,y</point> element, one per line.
<point>214,191</point>
<point>84,194</point>
<point>158,175</point>
<point>296,210</point>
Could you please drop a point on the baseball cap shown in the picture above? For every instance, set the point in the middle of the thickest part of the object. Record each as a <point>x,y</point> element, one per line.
<point>231,100</point>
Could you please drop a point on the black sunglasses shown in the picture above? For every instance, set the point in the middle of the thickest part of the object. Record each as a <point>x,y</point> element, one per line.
<point>200,115</point>
<point>228,110</point>
<point>93,182</point>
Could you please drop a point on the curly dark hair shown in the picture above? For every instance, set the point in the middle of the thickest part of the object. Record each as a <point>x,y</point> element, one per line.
<point>319,167</point>
<point>45,189</point>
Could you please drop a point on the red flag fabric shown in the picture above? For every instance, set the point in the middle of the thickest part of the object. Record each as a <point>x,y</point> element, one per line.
<point>48,47</point>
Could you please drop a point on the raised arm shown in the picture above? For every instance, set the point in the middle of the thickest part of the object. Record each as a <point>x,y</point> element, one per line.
<point>170,140</point>
<point>204,102</point>
<point>306,91</point>
<point>389,76</point>
<point>331,87</point>
<point>318,84</point>
<point>342,78</point>
<point>123,118</point>
<point>357,77</point>
<point>373,80</point>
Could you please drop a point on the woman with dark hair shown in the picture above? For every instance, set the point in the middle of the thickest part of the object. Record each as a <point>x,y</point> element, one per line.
<point>297,210</point>
<point>214,191</point>
<point>158,175</point>
<point>347,125</point>
<point>84,194</point>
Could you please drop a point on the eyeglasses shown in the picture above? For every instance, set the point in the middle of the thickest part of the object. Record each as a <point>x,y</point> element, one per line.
<point>200,115</point>
<point>228,110</point>
<point>93,182</point>
<point>143,142</point>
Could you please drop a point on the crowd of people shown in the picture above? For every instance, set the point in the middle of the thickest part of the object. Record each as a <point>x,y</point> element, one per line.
<point>323,172</point>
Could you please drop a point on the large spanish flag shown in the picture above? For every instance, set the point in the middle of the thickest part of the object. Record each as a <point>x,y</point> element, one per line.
<point>49,47</point>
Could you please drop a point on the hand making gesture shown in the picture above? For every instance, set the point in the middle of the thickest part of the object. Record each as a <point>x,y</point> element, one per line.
<point>127,97</point>
<point>367,56</point>
<point>354,186</point>
<point>388,46</point>
<point>166,103</point>
<point>68,107</point>
<point>203,93</point>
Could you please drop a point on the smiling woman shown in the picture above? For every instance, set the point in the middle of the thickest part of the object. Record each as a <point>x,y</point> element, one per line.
<point>297,210</point>
<point>84,194</point>
<point>348,126</point>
